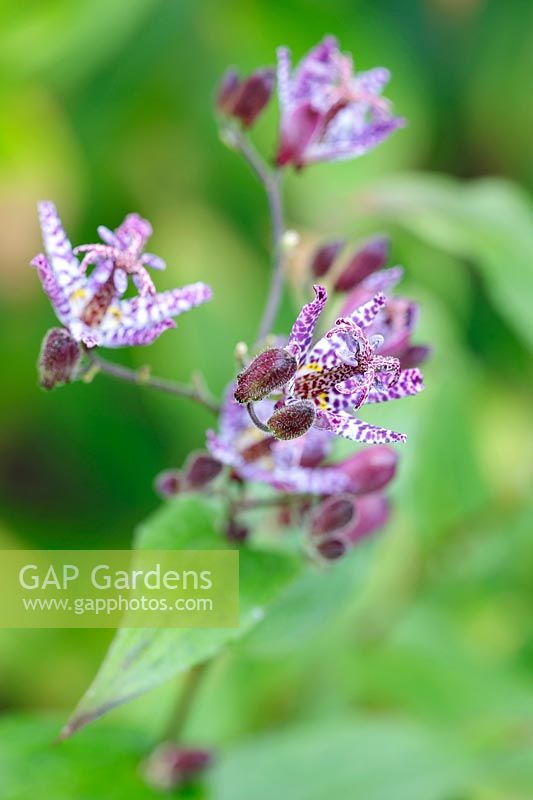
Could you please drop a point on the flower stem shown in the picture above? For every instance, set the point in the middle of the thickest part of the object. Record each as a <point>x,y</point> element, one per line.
<point>192,391</point>
<point>255,419</point>
<point>271,181</point>
<point>189,690</point>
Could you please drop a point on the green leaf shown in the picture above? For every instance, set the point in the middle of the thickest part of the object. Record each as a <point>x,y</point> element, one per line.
<point>102,764</point>
<point>372,760</point>
<point>310,605</point>
<point>487,222</point>
<point>140,659</point>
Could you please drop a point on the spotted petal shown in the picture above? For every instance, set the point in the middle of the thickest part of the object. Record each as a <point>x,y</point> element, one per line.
<point>356,430</point>
<point>58,297</point>
<point>63,263</point>
<point>409,383</point>
<point>302,331</point>
<point>154,308</point>
<point>365,314</point>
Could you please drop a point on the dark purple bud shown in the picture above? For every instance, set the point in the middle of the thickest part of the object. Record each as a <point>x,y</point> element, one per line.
<point>227,90</point>
<point>333,515</point>
<point>268,371</point>
<point>168,483</point>
<point>253,96</point>
<point>324,257</point>
<point>372,514</point>
<point>290,422</point>
<point>245,100</point>
<point>332,549</point>
<point>171,766</point>
<point>236,532</point>
<point>370,469</point>
<point>371,257</point>
<point>58,359</point>
<point>200,469</point>
<point>414,355</point>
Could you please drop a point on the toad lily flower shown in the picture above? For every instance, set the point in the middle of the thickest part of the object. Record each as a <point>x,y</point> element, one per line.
<point>327,112</point>
<point>90,305</point>
<point>340,373</point>
<point>299,466</point>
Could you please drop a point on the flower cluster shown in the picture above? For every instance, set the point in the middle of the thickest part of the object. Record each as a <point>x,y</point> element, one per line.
<point>280,417</point>
<point>348,367</point>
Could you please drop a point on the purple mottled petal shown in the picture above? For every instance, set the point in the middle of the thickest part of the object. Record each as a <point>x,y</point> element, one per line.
<point>56,294</point>
<point>381,281</point>
<point>107,236</point>
<point>125,336</point>
<point>356,430</point>
<point>371,82</point>
<point>134,226</point>
<point>316,447</point>
<point>299,127</point>
<point>58,249</point>
<point>99,275</point>
<point>154,308</point>
<point>366,313</point>
<point>318,481</point>
<point>150,260</point>
<point>316,73</point>
<point>304,327</point>
<point>409,383</point>
<point>120,280</point>
<point>283,75</point>
<point>354,144</point>
<point>234,417</point>
<point>222,449</point>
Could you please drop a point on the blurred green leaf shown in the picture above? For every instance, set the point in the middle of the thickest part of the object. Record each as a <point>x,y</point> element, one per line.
<point>310,605</point>
<point>384,759</point>
<point>102,764</point>
<point>488,222</point>
<point>140,659</point>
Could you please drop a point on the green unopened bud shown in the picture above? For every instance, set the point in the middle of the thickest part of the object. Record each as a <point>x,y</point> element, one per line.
<point>290,422</point>
<point>268,371</point>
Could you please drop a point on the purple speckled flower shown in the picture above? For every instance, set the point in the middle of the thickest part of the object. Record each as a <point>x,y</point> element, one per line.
<point>344,370</point>
<point>91,306</point>
<point>329,113</point>
<point>258,457</point>
<point>396,322</point>
<point>300,465</point>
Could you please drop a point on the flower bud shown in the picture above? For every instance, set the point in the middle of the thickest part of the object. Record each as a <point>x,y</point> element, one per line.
<point>371,257</point>
<point>58,359</point>
<point>171,766</point>
<point>200,469</point>
<point>372,514</point>
<point>245,100</point>
<point>370,469</point>
<point>168,483</point>
<point>333,515</point>
<point>332,549</point>
<point>268,371</point>
<point>236,532</point>
<point>324,257</point>
<point>290,422</point>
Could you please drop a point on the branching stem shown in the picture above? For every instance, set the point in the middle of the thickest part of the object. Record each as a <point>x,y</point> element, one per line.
<point>193,391</point>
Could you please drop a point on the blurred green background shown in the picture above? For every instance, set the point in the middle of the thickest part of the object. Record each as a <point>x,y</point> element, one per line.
<point>106,107</point>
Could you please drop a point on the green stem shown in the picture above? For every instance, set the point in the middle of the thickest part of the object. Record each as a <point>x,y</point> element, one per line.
<point>193,392</point>
<point>189,691</point>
